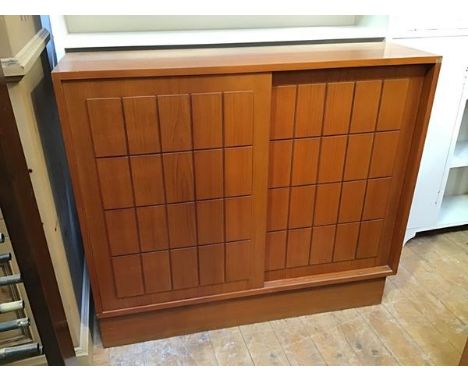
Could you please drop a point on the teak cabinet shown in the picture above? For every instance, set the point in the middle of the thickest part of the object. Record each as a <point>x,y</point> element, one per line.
<point>223,186</point>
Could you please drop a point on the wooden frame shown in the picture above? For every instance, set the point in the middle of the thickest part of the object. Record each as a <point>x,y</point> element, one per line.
<point>25,227</point>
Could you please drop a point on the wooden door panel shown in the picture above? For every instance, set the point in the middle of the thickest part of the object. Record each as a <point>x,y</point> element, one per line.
<point>174,178</point>
<point>337,150</point>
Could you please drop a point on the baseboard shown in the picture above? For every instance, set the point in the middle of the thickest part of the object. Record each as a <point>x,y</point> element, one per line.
<point>116,331</point>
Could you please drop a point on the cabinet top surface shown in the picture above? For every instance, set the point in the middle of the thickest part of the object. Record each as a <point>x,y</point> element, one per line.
<point>169,62</point>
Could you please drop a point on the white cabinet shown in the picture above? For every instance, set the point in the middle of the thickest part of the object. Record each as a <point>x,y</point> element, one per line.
<point>441,195</point>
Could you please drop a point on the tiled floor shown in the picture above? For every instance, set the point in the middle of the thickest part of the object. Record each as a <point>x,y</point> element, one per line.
<point>423,320</point>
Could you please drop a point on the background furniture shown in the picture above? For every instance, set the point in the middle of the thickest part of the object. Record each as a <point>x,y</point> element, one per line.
<point>216,187</point>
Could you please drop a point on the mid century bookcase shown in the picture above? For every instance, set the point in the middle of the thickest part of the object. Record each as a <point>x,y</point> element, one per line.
<point>224,186</point>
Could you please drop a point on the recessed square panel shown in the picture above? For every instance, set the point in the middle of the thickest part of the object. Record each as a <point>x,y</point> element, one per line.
<point>182,225</point>
<point>207,117</point>
<point>305,161</point>
<point>128,277</point>
<point>115,182</point>
<point>278,207</point>
<point>238,260</point>
<point>326,203</point>
<point>142,124</point>
<point>175,122</point>
<point>152,225</point>
<point>107,126</point>
<point>210,217</point>
<point>358,156</point>
<point>178,176</point>
<point>275,252</point>
<point>338,108</point>
<point>238,118</point>
<point>346,241</point>
<point>352,201</point>
<point>283,108</point>
<point>332,157</point>
<point>122,231</point>
<point>301,206</point>
<point>156,271</point>
<point>184,264</point>
<point>211,260</point>
<point>209,174</point>
<point>147,177</point>
<point>280,163</point>
<point>298,247</point>
<point>238,171</point>
<point>238,218</point>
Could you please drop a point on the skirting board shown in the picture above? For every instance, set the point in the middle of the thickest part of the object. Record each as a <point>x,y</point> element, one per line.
<point>116,331</point>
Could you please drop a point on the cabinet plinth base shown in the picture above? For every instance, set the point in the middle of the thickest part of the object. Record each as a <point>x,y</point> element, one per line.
<point>116,331</point>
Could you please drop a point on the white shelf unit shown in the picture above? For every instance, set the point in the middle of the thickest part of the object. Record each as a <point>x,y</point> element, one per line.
<point>454,206</point>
